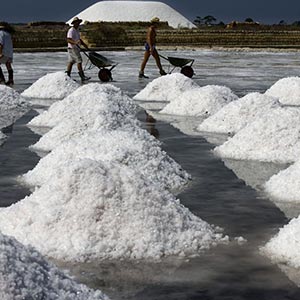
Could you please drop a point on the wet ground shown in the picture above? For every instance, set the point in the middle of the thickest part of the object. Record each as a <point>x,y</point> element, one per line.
<point>221,193</point>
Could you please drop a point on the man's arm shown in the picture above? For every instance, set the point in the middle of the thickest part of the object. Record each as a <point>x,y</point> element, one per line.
<point>151,38</point>
<point>1,48</point>
<point>73,42</point>
<point>83,44</point>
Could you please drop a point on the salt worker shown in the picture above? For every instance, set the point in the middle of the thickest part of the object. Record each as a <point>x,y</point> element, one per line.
<point>150,49</point>
<point>74,43</point>
<point>6,52</point>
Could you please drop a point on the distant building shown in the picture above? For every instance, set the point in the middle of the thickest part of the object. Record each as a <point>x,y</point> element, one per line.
<point>133,11</point>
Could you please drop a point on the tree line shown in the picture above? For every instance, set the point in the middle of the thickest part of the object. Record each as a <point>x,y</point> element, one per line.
<point>210,20</point>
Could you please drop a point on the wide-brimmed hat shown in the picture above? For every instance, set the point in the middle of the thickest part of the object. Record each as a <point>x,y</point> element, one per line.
<point>76,20</point>
<point>155,20</point>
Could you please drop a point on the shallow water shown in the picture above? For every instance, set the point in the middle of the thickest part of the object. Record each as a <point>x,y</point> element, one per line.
<point>218,193</point>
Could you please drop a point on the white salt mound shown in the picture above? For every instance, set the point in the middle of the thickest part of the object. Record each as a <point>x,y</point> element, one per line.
<point>56,85</point>
<point>271,137</point>
<point>287,90</point>
<point>85,99</point>
<point>284,247</point>
<point>136,149</point>
<point>129,11</point>
<point>90,109</point>
<point>166,88</point>
<point>201,101</point>
<point>12,106</point>
<point>285,186</point>
<point>25,274</point>
<point>94,210</point>
<point>237,114</point>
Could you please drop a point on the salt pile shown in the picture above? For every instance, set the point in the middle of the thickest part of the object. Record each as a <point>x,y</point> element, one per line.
<point>271,137</point>
<point>91,107</point>
<point>133,11</point>
<point>25,274</point>
<point>285,186</point>
<point>166,88</point>
<point>201,101</point>
<point>284,247</point>
<point>83,100</point>
<point>56,85</point>
<point>237,114</point>
<point>287,90</point>
<point>136,149</point>
<point>98,210</point>
<point>12,106</point>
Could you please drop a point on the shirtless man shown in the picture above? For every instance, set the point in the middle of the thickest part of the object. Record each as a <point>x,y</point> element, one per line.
<point>151,50</point>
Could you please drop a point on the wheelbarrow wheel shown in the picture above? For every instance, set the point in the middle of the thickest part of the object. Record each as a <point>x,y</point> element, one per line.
<point>104,75</point>
<point>187,71</point>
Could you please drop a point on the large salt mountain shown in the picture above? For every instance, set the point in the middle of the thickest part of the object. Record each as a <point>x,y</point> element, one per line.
<point>127,11</point>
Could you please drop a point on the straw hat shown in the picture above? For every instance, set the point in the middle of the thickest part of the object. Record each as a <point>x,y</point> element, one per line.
<point>76,20</point>
<point>155,20</point>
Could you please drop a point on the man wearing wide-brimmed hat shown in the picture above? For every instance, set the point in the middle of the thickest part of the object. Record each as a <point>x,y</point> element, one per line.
<point>74,43</point>
<point>6,52</point>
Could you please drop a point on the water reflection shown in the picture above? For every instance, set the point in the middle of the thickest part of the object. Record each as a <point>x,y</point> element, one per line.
<point>150,125</point>
<point>292,273</point>
<point>290,209</point>
<point>253,173</point>
<point>225,272</point>
<point>186,125</point>
<point>122,279</point>
<point>16,159</point>
<point>148,105</point>
<point>8,129</point>
<point>41,103</point>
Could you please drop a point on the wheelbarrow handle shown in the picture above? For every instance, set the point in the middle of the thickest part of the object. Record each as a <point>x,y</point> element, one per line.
<point>163,57</point>
<point>84,51</point>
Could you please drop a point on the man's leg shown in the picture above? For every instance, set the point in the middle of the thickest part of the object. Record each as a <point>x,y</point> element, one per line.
<point>143,65</point>
<point>158,63</point>
<point>10,73</point>
<point>81,73</point>
<point>2,78</point>
<point>69,68</point>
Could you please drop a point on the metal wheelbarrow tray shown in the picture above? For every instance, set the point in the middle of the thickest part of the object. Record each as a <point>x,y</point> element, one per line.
<point>184,63</point>
<point>101,62</point>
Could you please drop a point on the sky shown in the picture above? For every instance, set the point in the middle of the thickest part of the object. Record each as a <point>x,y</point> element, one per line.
<point>263,11</point>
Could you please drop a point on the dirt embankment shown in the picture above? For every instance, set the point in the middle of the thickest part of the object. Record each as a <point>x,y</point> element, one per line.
<point>51,36</point>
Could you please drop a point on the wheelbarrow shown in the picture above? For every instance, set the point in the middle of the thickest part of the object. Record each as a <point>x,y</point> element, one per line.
<point>184,63</point>
<point>101,62</point>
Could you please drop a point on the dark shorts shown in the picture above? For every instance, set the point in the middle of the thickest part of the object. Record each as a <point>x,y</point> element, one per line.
<point>147,47</point>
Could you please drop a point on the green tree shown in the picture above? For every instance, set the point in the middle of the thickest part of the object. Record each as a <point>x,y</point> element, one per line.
<point>296,23</point>
<point>208,20</point>
<point>198,21</point>
<point>282,22</point>
<point>249,20</point>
